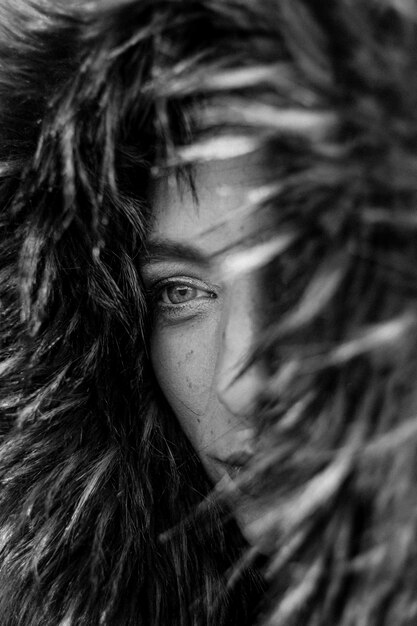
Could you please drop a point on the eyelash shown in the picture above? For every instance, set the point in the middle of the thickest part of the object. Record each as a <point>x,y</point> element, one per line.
<point>158,288</point>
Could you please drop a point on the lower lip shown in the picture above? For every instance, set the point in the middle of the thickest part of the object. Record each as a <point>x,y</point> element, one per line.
<point>235,473</point>
<point>232,469</point>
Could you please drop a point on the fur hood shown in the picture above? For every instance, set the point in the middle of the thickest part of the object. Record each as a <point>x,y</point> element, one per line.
<point>92,470</point>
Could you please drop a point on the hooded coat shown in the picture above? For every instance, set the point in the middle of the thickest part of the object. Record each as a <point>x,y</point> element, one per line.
<point>101,519</point>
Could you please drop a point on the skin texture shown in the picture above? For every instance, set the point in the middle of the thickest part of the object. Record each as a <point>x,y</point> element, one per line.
<point>204,324</point>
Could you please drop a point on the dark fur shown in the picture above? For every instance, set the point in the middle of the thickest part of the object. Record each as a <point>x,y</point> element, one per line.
<point>93,468</point>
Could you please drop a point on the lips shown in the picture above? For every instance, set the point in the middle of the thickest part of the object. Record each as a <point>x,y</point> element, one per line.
<point>238,458</point>
<point>237,478</point>
<point>234,462</point>
<point>232,457</point>
<point>232,469</point>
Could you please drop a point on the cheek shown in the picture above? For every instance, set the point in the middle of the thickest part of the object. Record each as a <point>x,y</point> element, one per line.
<point>184,362</point>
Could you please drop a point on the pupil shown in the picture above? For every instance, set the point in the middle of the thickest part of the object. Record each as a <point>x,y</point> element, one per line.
<point>181,294</point>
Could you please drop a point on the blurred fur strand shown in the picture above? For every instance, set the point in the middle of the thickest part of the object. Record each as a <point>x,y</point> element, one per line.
<point>91,472</point>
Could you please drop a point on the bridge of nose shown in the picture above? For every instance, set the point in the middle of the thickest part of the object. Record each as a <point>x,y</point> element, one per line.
<point>237,386</point>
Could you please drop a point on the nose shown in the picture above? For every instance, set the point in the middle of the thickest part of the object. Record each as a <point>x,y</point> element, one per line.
<point>238,383</point>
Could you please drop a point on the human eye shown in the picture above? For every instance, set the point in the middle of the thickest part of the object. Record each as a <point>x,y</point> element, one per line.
<point>180,292</point>
<point>181,296</point>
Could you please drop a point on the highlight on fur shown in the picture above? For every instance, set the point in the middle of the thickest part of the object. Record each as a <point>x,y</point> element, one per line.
<point>94,469</point>
<point>335,102</point>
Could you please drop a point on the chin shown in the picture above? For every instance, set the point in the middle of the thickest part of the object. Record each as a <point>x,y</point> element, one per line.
<point>249,511</point>
<point>249,516</point>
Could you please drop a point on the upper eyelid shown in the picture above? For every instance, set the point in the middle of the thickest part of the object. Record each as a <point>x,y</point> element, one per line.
<point>181,280</point>
<point>158,281</point>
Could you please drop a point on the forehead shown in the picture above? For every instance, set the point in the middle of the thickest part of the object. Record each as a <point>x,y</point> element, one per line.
<point>213,219</point>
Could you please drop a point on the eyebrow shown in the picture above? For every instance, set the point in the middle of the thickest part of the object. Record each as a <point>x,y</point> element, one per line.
<point>168,249</point>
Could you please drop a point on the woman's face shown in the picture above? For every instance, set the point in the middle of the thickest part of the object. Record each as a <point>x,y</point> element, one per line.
<point>204,326</point>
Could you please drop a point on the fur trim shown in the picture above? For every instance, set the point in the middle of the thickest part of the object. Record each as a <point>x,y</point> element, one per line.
<point>330,92</point>
<point>93,470</point>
